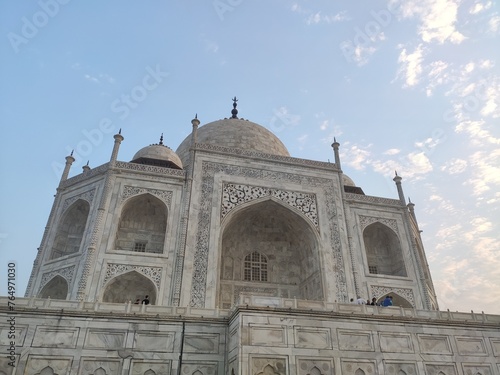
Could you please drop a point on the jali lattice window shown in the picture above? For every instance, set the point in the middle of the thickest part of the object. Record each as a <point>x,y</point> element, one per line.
<point>255,267</point>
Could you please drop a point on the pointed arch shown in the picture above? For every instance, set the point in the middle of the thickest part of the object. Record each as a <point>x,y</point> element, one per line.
<point>47,371</point>
<point>284,246</point>
<point>142,225</point>
<point>397,300</point>
<point>315,371</point>
<point>383,250</point>
<point>70,230</point>
<point>359,372</point>
<point>100,371</point>
<point>401,372</point>
<point>150,372</point>
<point>129,286</point>
<point>56,288</point>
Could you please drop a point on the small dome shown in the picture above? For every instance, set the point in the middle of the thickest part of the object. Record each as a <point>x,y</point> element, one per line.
<point>347,180</point>
<point>157,154</point>
<point>235,133</point>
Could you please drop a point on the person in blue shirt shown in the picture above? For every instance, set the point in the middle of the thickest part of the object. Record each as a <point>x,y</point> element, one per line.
<point>387,301</point>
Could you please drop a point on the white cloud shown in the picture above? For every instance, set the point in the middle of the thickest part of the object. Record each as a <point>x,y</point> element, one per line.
<point>318,17</point>
<point>438,75</point>
<point>479,7</point>
<point>411,65</point>
<point>392,151</point>
<point>454,166</point>
<point>494,23</point>
<point>90,78</point>
<point>357,158</point>
<point>437,18</point>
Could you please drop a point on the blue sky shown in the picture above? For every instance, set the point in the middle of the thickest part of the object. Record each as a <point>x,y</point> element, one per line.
<point>412,86</point>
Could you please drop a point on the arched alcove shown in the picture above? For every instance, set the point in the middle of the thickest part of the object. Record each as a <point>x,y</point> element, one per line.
<point>142,225</point>
<point>150,372</point>
<point>56,288</point>
<point>279,243</point>
<point>71,228</point>
<point>359,372</point>
<point>397,300</point>
<point>129,287</point>
<point>383,250</point>
<point>100,371</point>
<point>47,371</point>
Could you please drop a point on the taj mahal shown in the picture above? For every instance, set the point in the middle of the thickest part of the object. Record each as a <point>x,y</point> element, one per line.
<point>250,259</point>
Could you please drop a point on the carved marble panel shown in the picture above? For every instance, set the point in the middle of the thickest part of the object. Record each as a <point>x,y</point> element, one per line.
<point>440,369</point>
<point>318,338</point>
<point>268,365</point>
<point>355,367</point>
<point>114,269</point>
<point>315,366</point>
<point>397,368</point>
<point>87,196</point>
<point>201,343</point>
<point>66,273</point>
<point>60,365</point>
<point>495,344</point>
<point>396,342</point>
<point>99,366</point>
<point>235,194</point>
<point>140,367</point>
<point>130,191</point>
<point>20,333</point>
<point>364,221</point>
<point>55,337</point>
<point>154,341</point>
<point>355,340</point>
<point>378,291</point>
<point>5,367</point>
<point>209,170</point>
<point>199,368</point>
<point>474,346</point>
<point>435,344</point>
<point>105,339</point>
<point>474,369</point>
<point>268,335</point>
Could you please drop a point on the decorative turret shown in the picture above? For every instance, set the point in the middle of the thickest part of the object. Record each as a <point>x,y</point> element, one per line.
<point>335,146</point>
<point>118,140</point>
<point>397,179</point>
<point>69,160</point>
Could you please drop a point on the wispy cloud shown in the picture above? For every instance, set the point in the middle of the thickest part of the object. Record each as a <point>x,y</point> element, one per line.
<point>411,65</point>
<point>319,17</point>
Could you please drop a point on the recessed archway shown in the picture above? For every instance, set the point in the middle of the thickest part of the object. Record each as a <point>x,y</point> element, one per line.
<point>71,228</point>
<point>270,235</point>
<point>56,288</point>
<point>397,300</point>
<point>383,250</point>
<point>129,287</point>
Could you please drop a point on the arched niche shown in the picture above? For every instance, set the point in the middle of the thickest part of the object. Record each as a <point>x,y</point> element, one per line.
<point>284,243</point>
<point>47,371</point>
<point>71,228</point>
<point>383,250</point>
<point>56,288</point>
<point>142,225</point>
<point>129,286</point>
<point>397,300</point>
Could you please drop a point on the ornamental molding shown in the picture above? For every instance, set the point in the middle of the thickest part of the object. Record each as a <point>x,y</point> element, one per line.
<point>263,155</point>
<point>85,176</point>
<point>86,196</point>
<point>209,170</point>
<point>406,293</point>
<point>364,221</point>
<point>150,169</point>
<point>371,199</point>
<point>66,273</point>
<point>130,191</point>
<point>114,269</point>
<point>234,195</point>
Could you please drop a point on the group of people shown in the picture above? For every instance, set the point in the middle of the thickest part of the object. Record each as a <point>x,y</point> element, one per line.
<point>361,301</point>
<point>145,301</point>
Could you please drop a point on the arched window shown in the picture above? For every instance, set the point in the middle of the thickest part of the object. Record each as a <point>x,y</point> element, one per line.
<point>70,231</point>
<point>57,288</point>
<point>255,267</point>
<point>130,286</point>
<point>142,227</point>
<point>383,250</point>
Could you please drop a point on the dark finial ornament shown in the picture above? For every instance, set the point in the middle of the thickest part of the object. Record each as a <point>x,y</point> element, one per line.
<point>71,153</point>
<point>234,112</point>
<point>161,139</point>
<point>196,116</point>
<point>120,131</point>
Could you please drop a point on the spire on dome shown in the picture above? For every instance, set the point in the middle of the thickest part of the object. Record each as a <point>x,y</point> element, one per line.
<point>234,112</point>
<point>161,139</point>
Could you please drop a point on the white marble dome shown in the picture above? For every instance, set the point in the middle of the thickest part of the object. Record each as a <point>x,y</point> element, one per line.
<point>235,133</point>
<point>157,154</point>
<point>347,180</point>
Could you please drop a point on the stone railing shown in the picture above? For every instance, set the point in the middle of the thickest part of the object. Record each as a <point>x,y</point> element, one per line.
<point>246,301</point>
<point>371,199</point>
<point>351,308</point>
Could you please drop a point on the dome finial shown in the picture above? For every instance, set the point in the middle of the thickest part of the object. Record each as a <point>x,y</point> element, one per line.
<point>161,139</point>
<point>234,112</point>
